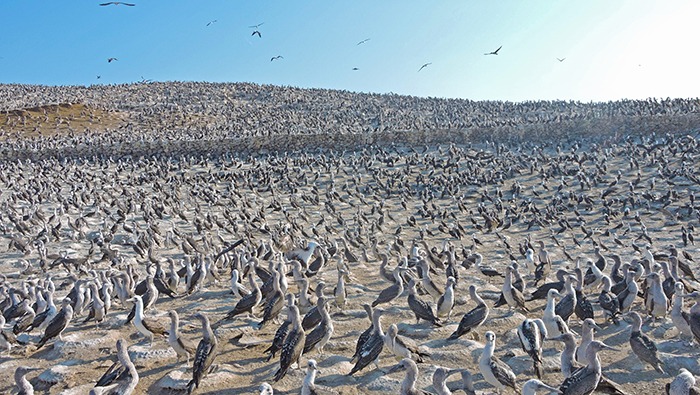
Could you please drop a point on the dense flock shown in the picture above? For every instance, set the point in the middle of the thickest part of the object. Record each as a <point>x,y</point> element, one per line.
<point>540,267</point>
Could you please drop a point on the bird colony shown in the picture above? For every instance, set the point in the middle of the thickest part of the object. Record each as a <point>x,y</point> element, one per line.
<point>547,266</point>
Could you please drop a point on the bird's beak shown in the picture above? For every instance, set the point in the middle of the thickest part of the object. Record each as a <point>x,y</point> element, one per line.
<point>450,372</point>
<point>596,327</point>
<point>395,368</point>
<point>606,347</point>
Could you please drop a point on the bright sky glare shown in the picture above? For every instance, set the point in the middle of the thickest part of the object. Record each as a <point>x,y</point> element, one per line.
<point>611,49</point>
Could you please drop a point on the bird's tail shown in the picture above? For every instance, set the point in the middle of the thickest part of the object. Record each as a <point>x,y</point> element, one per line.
<point>537,366</point>
<point>191,386</point>
<point>454,336</point>
<point>437,322</point>
<point>279,374</point>
<point>41,343</point>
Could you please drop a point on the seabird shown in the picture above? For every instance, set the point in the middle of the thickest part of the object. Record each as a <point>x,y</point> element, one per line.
<point>364,335</point>
<point>554,323</point>
<point>282,331</point>
<point>586,379</point>
<point>266,389</point>
<point>440,380</point>
<point>276,57</point>
<point>118,3</point>
<point>473,318</point>
<point>642,345</point>
<point>293,345</point>
<point>363,41</point>
<point>303,255</point>
<point>542,290</point>
<point>682,384</point>
<point>308,386</point>
<point>24,387</point>
<point>587,337</point>
<point>567,364</point>
<point>533,385</point>
<point>565,307</point>
<point>561,60</point>
<point>694,315</point>
<point>495,372</point>
<point>401,346</point>
<point>424,66</point>
<point>247,303</point>
<point>393,291</point>
<point>122,381</point>
<point>340,291</point>
<point>494,52</point>
<point>319,336</point>
<point>212,22</point>
<point>609,302</point>
<point>467,382</point>
<point>512,295</point>
<point>274,301</point>
<point>256,26</point>
<point>313,316</point>
<point>421,309</point>
<point>148,327</point>
<point>408,385</point>
<point>583,308</point>
<point>207,350</point>
<point>678,316</point>
<point>427,282</point>
<point>447,300</point>
<point>182,346</point>
<point>58,324</point>
<point>97,307</point>
<point>531,342</point>
<point>110,60</point>
<point>656,302</point>
<point>373,346</point>
<point>256,32</point>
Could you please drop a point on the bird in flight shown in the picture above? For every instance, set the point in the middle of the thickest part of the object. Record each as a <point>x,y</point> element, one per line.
<point>99,76</point>
<point>256,32</point>
<point>118,3</point>
<point>355,68</point>
<point>494,52</point>
<point>276,57</point>
<point>424,66</point>
<point>561,60</point>
<point>211,22</point>
<point>145,81</point>
<point>256,26</point>
<point>110,60</point>
<point>363,41</point>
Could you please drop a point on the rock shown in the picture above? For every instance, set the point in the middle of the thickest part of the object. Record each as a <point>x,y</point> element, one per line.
<point>143,355</point>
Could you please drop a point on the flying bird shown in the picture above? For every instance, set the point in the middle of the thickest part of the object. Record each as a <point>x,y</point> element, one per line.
<point>494,52</point>
<point>110,60</point>
<point>276,57</point>
<point>424,66</point>
<point>118,3</point>
<point>561,60</point>
<point>210,22</point>
<point>257,26</point>
<point>355,68</point>
<point>363,41</point>
<point>256,32</point>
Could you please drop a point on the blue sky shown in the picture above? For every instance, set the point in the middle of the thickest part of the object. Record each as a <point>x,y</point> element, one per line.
<point>613,49</point>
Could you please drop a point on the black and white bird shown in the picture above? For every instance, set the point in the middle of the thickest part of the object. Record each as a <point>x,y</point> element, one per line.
<point>494,52</point>
<point>117,3</point>
<point>495,372</point>
<point>293,345</point>
<point>58,324</point>
<point>319,336</point>
<point>531,334</point>
<point>473,318</point>
<point>373,346</point>
<point>149,327</point>
<point>207,350</point>
<point>682,384</point>
<point>121,378</point>
<point>586,379</point>
<point>24,387</point>
<point>642,345</point>
<point>183,347</point>
<point>408,385</point>
<point>421,309</point>
<point>403,347</point>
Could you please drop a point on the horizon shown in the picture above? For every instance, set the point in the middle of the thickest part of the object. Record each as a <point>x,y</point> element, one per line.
<point>593,52</point>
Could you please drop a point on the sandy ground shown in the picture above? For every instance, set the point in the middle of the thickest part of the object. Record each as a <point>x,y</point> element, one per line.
<point>73,365</point>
